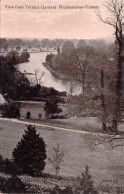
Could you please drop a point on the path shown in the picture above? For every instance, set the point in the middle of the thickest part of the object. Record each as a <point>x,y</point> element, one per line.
<point>43,125</point>
<point>51,126</point>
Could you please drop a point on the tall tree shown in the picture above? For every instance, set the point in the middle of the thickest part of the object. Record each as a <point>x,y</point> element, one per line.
<point>116,20</point>
<point>67,48</point>
<point>30,153</point>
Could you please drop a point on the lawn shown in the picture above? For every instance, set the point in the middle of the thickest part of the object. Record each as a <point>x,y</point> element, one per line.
<point>91,124</point>
<point>105,165</point>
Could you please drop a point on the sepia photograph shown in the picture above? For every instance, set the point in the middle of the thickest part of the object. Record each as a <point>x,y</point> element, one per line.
<point>62,96</point>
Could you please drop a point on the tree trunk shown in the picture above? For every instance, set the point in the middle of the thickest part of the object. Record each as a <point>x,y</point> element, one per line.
<point>103,100</point>
<point>118,89</point>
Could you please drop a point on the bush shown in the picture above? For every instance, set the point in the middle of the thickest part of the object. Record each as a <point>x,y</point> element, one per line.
<point>51,106</point>
<point>86,183</point>
<point>49,57</point>
<point>11,110</point>
<point>1,164</point>
<point>30,153</point>
<point>12,185</point>
<point>8,166</point>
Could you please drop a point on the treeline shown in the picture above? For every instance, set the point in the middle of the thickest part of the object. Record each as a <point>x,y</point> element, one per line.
<point>46,43</point>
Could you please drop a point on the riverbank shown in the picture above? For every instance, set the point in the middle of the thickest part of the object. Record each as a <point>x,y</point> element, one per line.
<point>53,72</point>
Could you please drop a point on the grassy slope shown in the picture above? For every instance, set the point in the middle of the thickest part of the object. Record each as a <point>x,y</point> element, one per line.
<point>104,164</point>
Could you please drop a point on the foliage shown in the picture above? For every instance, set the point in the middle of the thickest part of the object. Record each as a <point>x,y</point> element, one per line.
<point>49,57</point>
<point>10,167</point>
<point>22,87</point>
<point>57,62</point>
<point>1,164</point>
<point>58,50</point>
<point>83,186</point>
<point>9,76</point>
<point>30,153</point>
<point>47,92</point>
<point>51,106</point>
<point>7,166</point>
<point>57,158</point>
<point>25,57</point>
<point>67,48</point>
<point>81,43</point>
<point>4,44</point>
<point>7,72</point>
<point>11,110</point>
<point>86,183</point>
<point>12,185</point>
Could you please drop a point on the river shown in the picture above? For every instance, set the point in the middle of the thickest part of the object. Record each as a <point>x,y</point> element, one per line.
<point>48,80</point>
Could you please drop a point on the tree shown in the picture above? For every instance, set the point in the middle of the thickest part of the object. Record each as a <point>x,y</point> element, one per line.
<point>81,43</point>
<point>103,71</point>
<point>49,57</point>
<point>38,75</point>
<point>86,183</point>
<point>67,48</point>
<point>7,72</point>
<point>45,43</point>
<point>116,20</point>
<point>58,50</point>
<point>4,44</point>
<point>30,153</point>
<point>25,56</point>
<point>57,158</point>
<point>51,106</point>
<point>78,66</point>
<point>22,86</point>
<point>11,110</point>
<point>58,63</point>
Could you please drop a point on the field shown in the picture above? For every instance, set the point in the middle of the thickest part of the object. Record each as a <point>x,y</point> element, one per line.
<point>105,165</point>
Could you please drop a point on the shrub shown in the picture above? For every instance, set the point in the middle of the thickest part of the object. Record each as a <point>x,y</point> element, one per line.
<point>1,163</point>
<point>8,166</point>
<point>51,106</point>
<point>49,57</point>
<point>11,110</point>
<point>86,183</point>
<point>30,153</point>
<point>11,168</point>
<point>12,185</point>
<point>2,181</point>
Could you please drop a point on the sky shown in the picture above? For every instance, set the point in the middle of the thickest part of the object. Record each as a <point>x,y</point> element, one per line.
<point>23,22</point>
